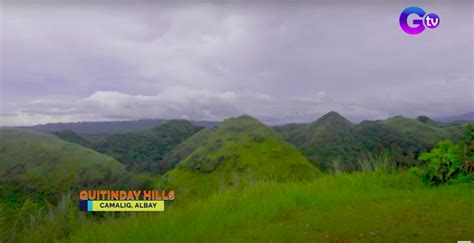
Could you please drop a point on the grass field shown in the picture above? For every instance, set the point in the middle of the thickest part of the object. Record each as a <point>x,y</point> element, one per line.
<point>362,207</point>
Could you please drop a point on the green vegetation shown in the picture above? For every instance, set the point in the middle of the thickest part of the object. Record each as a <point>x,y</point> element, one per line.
<point>365,207</point>
<point>70,136</point>
<point>243,182</point>
<point>241,151</point>
<point>333,138</point>
<point>184,149</point>
<point>381,164</point>
<point>94,138</point>
<point>449,162</point>
<point>145,151</point>
<point>48,164</point>
<point>37,170</point>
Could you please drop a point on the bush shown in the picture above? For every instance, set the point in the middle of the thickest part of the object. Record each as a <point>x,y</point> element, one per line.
<point>444,162</point>
<point>448,161</point>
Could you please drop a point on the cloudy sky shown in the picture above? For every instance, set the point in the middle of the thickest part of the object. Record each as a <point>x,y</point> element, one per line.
<point>280,61</point>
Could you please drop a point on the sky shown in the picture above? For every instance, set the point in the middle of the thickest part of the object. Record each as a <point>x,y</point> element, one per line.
<point>280,61</point>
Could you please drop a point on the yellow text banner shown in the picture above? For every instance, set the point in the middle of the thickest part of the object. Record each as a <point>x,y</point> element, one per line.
<point>125,205</point>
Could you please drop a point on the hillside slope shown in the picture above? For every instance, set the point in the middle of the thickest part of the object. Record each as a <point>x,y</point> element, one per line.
<point>239,152</point>
<point>145,151</point>
<point>40,178</point>
<point>184,149</point>
<point>73,137</point>
<point>46,163</point>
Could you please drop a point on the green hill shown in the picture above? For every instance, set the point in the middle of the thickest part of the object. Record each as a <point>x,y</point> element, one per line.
<point>241,151</point>
<point>45,163</point>
<point>421,130</point>
<point>330,135</point>
<point>145,151</point>
<point>333,138</point>
<point>40,178</point>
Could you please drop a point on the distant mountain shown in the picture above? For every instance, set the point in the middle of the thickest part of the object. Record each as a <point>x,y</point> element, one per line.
<point>239,152</point>
<point>110,126</point>
<point>333,138</point>
<point>463,117</point>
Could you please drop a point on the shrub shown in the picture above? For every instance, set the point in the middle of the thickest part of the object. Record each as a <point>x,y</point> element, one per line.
<point>448,161</point>
<point>444,162</point>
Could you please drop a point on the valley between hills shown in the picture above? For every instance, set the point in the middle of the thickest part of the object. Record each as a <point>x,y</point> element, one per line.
<point>397,179</point>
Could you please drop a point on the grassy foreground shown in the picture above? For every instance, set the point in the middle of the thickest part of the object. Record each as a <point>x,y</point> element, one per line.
<point>356,207</point>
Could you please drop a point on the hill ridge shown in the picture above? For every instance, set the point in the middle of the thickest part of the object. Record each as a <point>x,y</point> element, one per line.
<point>331,138</point>
<point>239,152</point>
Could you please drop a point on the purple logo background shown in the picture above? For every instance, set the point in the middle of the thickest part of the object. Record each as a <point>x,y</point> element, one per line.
<point>431,20</point>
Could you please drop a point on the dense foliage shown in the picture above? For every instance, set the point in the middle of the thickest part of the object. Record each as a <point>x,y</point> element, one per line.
<point>145,151</point>
<point>70,136</point>
<point>449,161</point>
<point>333,138</point>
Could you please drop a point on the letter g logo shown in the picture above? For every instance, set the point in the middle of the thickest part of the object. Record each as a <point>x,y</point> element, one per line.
<point>418,23</point>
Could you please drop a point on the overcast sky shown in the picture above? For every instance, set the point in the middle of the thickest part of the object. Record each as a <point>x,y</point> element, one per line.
<point>280,62</point>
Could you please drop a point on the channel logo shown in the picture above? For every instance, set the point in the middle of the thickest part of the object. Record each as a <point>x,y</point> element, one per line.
<point>419,23</point>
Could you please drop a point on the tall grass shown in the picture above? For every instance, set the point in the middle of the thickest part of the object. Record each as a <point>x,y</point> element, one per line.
<point>360,206</point>
<point>44,220</point>
<point>57,220</point>
<point>335,166</point>
<point>381,163</point>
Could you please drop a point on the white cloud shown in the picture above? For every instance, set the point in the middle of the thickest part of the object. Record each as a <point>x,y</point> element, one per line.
<point>173,102</point>
<point>281,62</point>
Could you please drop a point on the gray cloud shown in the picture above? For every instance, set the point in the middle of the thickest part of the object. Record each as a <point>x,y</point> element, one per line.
<point>281,63</point>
